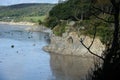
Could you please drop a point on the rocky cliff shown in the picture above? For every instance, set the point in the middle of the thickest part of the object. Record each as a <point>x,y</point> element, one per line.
<point>69,44</point>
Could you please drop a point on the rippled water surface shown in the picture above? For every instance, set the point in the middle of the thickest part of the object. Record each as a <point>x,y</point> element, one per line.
<point>22,57</point>
<point>21,54</point>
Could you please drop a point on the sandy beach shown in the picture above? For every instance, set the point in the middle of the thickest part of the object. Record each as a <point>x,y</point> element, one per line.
<point>18,23</point>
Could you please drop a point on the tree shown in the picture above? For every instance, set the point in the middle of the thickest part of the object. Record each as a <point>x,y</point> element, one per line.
<point>110,69</point>
<point>69,10</point>
<point>81,8</point>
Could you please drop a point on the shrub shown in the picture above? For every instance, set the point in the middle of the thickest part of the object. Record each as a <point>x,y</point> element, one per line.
<point>39,22</point>
<point>51,22</point>
<point>104,31</point>
<point>59,29</point>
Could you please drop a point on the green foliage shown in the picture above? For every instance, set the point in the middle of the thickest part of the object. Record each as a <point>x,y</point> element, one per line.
<point>39,22</point>
<point>104,31</point>
<point>61,11</point>
<point>51,22</point>
<point>73,9</point>
<point>24,11</point>
<point>33,18</point>
<point>105,34</point>
<point>59,29</point>
<point>69,10</point>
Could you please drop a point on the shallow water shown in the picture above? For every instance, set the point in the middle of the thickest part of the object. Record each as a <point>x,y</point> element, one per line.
<point>25,60</point>
<point>22,57</point>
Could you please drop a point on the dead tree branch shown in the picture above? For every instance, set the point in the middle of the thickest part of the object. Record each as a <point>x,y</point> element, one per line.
<point>88,48</point>
<point>110,13</point>
<point>103,19</point>
<point>93,38</point>
<point>75,14</point>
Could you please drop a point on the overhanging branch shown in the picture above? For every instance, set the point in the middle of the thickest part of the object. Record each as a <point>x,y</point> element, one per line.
<point>93,38</point>
<point>75,14</point>
<point>91,51</point>
<point>88,48</point>
<point>103,19</point>
<point>110,13</point>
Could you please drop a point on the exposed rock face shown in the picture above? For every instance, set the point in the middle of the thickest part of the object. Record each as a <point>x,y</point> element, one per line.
<point>69,44</point>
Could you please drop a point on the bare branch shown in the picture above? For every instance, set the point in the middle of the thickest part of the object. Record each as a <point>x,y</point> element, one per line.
<point>91,51</point>
<point>93,38</point>
<point>77,18</point>
<point>113,2</point>
<point>75,14</point>
<point>102,10</point>
<point>88,48</point>
<point>103,19</point>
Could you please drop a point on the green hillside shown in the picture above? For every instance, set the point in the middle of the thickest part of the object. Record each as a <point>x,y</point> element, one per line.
<point>81,13</point>
<point>19,11</point>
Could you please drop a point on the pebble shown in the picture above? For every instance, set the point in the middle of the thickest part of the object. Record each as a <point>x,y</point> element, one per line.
<point>12,46</point>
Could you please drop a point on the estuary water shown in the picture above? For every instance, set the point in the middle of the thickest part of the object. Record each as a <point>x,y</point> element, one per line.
<point>22,57</point>
<point>21,54</point>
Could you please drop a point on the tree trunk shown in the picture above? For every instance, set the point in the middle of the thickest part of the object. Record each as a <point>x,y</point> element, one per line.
<point>82,16</point>
<point>111,65</point>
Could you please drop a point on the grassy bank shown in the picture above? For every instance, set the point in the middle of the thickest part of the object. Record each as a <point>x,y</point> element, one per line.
<point>27,19</point>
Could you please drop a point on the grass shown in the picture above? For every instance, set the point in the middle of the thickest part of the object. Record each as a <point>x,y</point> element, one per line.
<point>33,18</point>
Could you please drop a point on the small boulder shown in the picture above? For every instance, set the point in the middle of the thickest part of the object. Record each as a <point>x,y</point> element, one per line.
<point>12,46</point>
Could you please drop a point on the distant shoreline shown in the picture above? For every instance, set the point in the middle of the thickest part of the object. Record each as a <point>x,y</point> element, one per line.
<point>18,23</point>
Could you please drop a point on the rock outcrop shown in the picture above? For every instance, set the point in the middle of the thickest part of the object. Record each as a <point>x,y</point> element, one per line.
<point>69,44</point>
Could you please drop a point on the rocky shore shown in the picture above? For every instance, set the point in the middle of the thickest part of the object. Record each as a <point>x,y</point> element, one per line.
<point>69,44</point>
<point>30,26</point>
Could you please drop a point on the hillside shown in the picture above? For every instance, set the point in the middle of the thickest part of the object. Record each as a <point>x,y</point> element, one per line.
<point>77,15</point>
<point>24,10</point>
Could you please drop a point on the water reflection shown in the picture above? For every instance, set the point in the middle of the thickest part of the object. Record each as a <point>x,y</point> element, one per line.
<point>69,67</point>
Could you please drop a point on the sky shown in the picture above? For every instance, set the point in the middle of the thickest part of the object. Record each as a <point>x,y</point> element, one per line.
<point>10,2</point>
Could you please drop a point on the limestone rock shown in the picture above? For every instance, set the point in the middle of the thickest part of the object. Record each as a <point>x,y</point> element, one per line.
<point>70,45</point>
